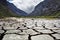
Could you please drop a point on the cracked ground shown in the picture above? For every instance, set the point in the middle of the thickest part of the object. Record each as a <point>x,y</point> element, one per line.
<point>29,29</point>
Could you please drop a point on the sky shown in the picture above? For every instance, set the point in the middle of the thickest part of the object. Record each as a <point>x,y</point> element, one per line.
<point>26,5</point>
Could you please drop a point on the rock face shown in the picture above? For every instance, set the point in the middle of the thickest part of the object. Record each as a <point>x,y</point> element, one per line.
<point>4,10</point>
<point>3,1</point>
<point>14,9</point>
<point>46,8</point>
<point>17,29</point>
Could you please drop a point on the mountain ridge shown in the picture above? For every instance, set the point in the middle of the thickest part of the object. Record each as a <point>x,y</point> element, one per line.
<point>16,10</point>
<point>4,11</point>
<point>46,8</point>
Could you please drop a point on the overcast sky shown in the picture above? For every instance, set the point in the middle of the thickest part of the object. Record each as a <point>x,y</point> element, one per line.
<point>25,5</point>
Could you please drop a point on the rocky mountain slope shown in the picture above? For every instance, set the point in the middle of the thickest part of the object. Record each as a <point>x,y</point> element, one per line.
<point>17,11</point>
<point>4,11</point>
<point>47,8</point>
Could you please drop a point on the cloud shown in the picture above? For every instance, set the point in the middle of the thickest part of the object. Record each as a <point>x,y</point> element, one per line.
<point>25,5</point>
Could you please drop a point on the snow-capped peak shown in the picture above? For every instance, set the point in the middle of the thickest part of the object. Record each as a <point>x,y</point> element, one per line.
<point>25,5</point>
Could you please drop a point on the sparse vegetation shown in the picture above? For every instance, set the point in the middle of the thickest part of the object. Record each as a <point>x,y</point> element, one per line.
<point>5,12</point>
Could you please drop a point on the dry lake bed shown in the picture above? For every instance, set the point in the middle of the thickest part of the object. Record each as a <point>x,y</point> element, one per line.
<point>29,29</point>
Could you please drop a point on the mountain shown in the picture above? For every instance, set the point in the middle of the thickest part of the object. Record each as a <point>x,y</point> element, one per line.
<point>25,5</point>
<point>47,8</point>
<point>9,10</point>
<point>3,2</point>
<point>14,9</point>
<point>4,11</point>
<point>44,8</point>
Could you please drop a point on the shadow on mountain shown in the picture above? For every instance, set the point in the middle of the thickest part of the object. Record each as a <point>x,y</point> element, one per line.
<point>46,8</point>
<point>16,10</point>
